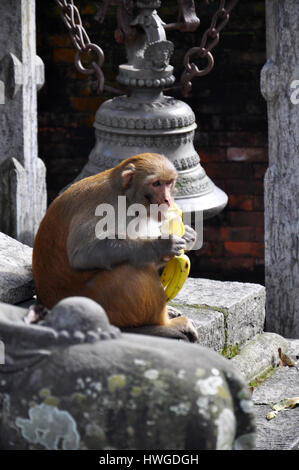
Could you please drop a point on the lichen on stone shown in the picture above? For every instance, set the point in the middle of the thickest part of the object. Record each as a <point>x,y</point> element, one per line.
<point>50,427</point>
<point>203,407</point>
<point>245,442</point>
<point>199,372</point>
<point>246,406</point>
<point>151,374</point>
<point>116,381</point>
<point>140,362</point>
<point>51,401</point>
<point>226,424</point>
<point>44,392</point>
<point>209,386</point>
<point>181,409</point>
<point>181,374</point>
<point>136,391</point>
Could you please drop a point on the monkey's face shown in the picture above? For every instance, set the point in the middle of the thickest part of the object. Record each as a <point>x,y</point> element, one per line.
<point>150,181</point>
<point>159,192</point>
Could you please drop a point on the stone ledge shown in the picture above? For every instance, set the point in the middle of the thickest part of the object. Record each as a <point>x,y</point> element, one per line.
<point>281,432</point>
<point>209,325</point>
<point>259,354</point>
<point>16,284</point>
<point>241,306</point>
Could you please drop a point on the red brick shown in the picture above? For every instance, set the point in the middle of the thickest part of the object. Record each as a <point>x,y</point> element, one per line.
<point>241,154</point>
<point>237,234</point>
<point>242,186</point>
<point>60,41</point>
<point>217,154</point>
<point>248,219</point>
<point>260,170</point>
<point>251,249</point>
<point>211,249</point>
<point>218,265</point>
<point>238,139</point>
<point>88,10</point>
<point>258,203</point>
<point>248,58</point>
<point>86,103</point>
<point>238,264</point>
<point>228,169</point>
<point>211,233</point>
<point>240,202</point>
<point>259,233</point>
<point>64,54</point>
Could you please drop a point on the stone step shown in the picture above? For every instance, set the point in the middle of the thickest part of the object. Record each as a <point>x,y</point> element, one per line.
<point>16,284</point>
<point>273,385</point>
<point>226,314</point>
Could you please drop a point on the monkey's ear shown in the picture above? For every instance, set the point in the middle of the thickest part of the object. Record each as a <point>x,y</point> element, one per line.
<point>127,175</point>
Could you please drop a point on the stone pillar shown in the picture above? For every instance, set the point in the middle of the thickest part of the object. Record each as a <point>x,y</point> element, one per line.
<point>22,173</point>
<point>279,79</point>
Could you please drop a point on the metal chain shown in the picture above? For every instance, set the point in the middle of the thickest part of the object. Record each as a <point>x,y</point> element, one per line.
<point>72,19</point>
<point>209,40</point>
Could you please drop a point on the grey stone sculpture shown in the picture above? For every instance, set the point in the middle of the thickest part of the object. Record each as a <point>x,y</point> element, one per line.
<point>73,381</point>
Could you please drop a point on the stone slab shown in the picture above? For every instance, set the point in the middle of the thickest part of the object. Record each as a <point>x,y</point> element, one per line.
<point>281,432</point>
<point>16,283</point>
<point>242,306</point>
<point>259,354</point>
<point>293,345</point>
<point>209,325</point>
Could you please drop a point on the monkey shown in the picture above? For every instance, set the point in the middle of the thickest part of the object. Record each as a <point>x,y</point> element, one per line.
<point>121,274</point>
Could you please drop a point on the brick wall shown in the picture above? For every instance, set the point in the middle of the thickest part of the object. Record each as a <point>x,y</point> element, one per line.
<point>230,111</point>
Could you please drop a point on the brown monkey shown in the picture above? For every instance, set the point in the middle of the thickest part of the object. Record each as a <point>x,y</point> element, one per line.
<point>121,274</point>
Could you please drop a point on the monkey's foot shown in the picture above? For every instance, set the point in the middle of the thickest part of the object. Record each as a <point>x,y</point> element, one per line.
<point>186,327</point>
<point>173,312</point>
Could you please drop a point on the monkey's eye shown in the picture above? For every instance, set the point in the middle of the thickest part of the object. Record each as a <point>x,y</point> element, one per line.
<point>157,183</point>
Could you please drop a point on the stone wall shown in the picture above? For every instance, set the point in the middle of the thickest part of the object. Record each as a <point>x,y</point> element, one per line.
<point>230,111</point>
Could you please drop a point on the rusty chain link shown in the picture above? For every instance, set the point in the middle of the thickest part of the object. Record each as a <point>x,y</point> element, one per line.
<point>209,40</point>
<point>72,19</point>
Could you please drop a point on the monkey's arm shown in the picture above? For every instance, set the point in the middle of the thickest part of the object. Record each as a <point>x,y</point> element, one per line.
<point>107,253</point>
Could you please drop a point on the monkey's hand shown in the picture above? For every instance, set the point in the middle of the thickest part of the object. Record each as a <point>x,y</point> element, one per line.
<point>173,246</point>
<point>159,250</point>
<point>190,237</point>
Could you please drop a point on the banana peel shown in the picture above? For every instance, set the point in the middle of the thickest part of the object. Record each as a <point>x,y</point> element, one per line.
<point>282,405</point>
<point>177,269</point>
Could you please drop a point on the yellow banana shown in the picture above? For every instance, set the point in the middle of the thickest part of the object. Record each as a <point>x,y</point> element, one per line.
<point>177,269</point>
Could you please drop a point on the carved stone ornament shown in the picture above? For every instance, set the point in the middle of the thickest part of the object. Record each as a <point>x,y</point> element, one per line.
<point>73,320</point>
<point>157,55</point>
<point>73,382</point>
